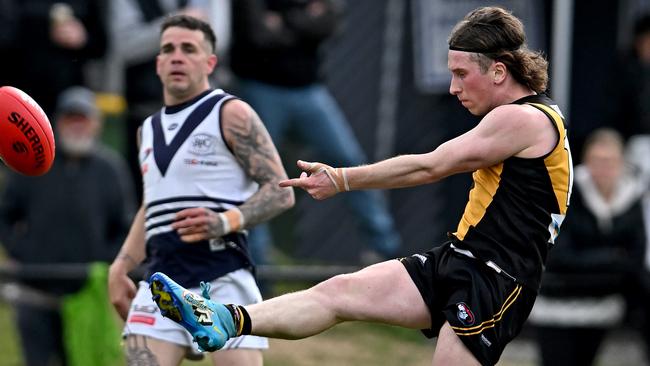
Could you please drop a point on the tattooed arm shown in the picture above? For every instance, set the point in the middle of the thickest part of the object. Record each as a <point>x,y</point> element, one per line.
<point>254,150</point>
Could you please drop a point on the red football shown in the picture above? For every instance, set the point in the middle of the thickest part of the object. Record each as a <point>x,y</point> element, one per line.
<point>26,138</point>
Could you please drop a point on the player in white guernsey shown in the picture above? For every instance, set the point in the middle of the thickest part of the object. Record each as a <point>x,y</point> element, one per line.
<point>210,170</point>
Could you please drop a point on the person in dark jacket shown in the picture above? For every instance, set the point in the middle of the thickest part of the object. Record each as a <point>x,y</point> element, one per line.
<point>597,259</point>
<point>46,45</point>
<point>79,212</point>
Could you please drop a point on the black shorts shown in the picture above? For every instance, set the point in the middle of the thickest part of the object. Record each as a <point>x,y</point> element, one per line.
<point>485,309</point>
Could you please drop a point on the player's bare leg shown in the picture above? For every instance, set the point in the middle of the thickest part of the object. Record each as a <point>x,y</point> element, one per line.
<point>237,357</point>
<point>141,350</point>
<point>382,293</point>
<point>450,350</point>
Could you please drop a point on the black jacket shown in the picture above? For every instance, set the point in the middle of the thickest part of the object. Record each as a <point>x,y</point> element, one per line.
<point>32,62</point>
<point>286,56</point>
<point>80,211</point>
<point>597,254</point>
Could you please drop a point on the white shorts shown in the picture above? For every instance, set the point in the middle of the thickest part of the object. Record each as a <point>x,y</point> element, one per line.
<point>236,287</point>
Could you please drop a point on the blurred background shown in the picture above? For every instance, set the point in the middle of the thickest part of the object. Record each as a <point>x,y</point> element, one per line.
<point>385,66</point>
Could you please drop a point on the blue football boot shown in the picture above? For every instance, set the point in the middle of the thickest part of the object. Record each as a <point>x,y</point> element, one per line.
<point>210,324</point>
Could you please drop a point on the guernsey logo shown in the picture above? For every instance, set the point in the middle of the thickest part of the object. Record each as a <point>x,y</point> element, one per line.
<point>203,144</point>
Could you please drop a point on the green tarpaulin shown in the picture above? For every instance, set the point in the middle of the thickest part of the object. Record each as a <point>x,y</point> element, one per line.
<point>90,328</point>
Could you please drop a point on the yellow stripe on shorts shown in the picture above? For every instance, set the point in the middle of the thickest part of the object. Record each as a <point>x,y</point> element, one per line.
<point>468,331</point>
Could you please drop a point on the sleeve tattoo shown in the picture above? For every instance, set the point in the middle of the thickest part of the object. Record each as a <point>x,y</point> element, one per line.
<point>258,156</point>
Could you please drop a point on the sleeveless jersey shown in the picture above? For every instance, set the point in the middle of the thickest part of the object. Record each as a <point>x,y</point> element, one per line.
<point>516,207</point>
<point>185,163</point>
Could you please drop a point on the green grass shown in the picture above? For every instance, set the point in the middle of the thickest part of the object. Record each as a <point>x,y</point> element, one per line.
<point>9,348</point>
<point>347,344</point>
<point>350,344</point>
<point>358,344</point>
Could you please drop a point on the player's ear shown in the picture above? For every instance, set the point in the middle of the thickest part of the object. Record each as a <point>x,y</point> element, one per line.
<point>499,71</point>
<point>212,62</point>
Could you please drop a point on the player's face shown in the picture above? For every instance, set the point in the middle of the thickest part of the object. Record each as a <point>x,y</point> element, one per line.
<point>184,63</point>
<point>473,89</point>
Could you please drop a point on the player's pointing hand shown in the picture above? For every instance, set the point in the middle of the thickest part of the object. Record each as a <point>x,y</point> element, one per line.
<point>320,180</point>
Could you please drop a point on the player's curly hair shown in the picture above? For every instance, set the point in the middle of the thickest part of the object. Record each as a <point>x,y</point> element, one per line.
<point>494,34</point>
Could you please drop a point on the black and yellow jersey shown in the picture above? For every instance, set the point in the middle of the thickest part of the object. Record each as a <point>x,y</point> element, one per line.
<point>516,207</point>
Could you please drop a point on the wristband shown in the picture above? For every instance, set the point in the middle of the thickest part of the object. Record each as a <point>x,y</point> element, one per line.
<point>338,176</point>
<point>344,174</point>
<point>232,220</point>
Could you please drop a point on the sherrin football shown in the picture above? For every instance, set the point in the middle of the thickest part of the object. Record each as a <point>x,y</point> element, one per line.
<point>26,137</point>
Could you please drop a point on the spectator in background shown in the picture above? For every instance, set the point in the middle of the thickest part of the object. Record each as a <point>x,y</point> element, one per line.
<point>596,259</point>
<point>46,44</point>
<point>135,32</point>
<point>629,85</point>
<point>78,212</point>
<point>275,55</point>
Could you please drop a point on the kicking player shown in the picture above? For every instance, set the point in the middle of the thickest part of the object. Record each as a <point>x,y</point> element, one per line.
<point>475,291</point>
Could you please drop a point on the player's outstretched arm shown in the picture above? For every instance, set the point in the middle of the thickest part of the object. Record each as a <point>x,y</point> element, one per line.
<point>504,132</point>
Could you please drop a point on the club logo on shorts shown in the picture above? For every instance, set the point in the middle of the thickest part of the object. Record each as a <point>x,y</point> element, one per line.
<point>464,314</point>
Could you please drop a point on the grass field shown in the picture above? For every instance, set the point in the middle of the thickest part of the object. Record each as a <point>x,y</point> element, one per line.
<point>362,344</point>
<point>9,351</point>
<point>356,344</point>
<point>348,344</point>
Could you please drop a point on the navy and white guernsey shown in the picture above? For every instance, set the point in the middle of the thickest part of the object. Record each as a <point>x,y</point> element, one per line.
<point>185,163</point>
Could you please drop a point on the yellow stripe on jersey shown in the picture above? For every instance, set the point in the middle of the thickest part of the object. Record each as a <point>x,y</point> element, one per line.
<point>468,331</point>
<point>558,163</point>
<point>486,183</point>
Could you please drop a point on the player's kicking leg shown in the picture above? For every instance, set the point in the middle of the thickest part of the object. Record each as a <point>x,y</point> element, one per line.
<point>381,293</point>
